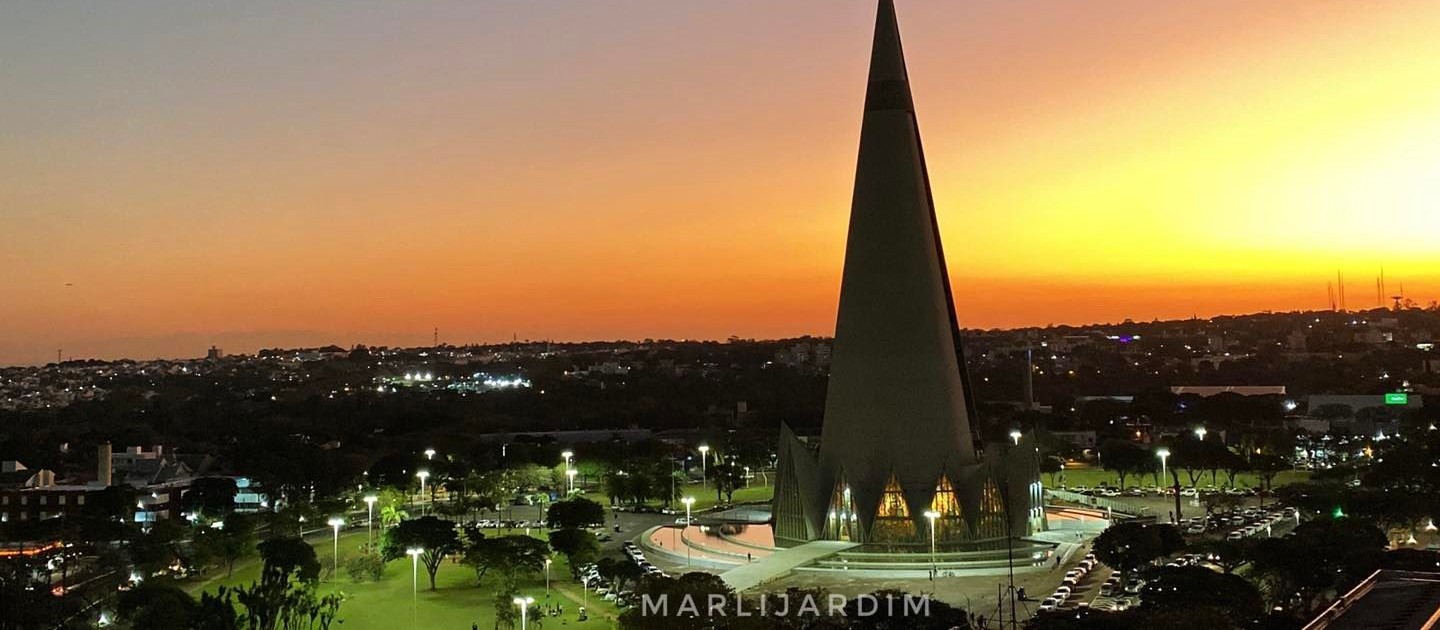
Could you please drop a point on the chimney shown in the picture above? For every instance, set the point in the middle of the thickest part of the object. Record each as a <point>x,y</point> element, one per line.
<point>102,471</point>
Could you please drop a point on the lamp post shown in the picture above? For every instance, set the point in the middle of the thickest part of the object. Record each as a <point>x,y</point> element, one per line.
<point>524,604</point>
<point>335,524</point>
<point>429,454</point>
<point>747,476</point>
<point>567,455</point>
<point>570,474</point>
<point>688,501</point>
<point>1164,454</point>
<point>1200,433</point>
<point>547,578</point>
<point>414,553</point>
<point>931,515</point>
<point>370,500</point>
<point>1015,435</point>
<point>423,475</point>
<point>704,450</point>
<point>585,591</point>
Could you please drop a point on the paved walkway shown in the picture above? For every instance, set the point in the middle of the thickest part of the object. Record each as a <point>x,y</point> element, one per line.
<point>781,563</point>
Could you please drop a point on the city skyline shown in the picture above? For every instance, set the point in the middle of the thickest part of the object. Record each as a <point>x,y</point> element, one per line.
<point>304,176</point>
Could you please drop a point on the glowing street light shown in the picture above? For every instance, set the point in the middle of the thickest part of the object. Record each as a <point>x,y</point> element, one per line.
<point>1200,433</point>
<point>1015,435</point>
<point>704,450</point>
<point>423,475</point>
<point>335,524</point>
<point>429,453</point>
<point>414,553</point>
<point>570,473</point>
<point>370,500</point>
<point>1430,525</point>
<point>931,515</point>
<point>567,455</point>
<point>1164,455</point>
<point>688,501</point>
<point>524,604</point>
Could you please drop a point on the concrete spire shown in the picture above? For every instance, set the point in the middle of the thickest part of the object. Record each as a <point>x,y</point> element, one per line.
<point>897,401</point>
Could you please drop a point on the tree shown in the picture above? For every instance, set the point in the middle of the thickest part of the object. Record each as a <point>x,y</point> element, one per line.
<point>1268,466</point>
<point>392,515</point>
<point>157,605</point>
<point>574,513</point>
<point>287,559</point>
<point>436,536</point>
<point>727,477</point>
<point>1052,466</point>
<point>510,556</point>
<point>619,572</point>
<point>577,545</point>
<point>1219,502</point>
<point>1227,554</point>
<point>211,495</point>
<point>365,567</point>
<point>1188,588</point>
<point>235,539</point>
<point>1124,458</point>
<point>698,587</point>
<point>1127,546</point>
<point>1320,554</point>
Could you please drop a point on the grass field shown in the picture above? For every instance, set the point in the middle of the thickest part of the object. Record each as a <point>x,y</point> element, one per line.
<point>456,603</point>
<point>1093,477</point>
<point>704,495</point>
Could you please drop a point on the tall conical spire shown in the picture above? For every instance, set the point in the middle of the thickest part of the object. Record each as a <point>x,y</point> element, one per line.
<point>897,400</point>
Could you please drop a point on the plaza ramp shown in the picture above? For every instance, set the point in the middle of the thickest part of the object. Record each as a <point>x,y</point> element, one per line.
<point>781,563</point>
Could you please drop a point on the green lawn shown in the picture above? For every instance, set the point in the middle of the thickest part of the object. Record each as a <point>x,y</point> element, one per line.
<point>456,602</point>
<point>704,495</point>
<point>1095,476</point>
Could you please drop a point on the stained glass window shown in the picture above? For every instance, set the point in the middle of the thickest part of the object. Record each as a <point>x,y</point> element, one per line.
<point>892,517</point>
<point>951,523</point>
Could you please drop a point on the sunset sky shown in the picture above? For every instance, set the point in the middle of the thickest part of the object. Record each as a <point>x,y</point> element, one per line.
<point>177,174</point>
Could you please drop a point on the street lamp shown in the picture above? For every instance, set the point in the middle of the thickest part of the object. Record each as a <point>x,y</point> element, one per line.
<point>429,453</point>
<point>931,515</point>
<point>335,524</point>
<point>1200,433</point>
<point>570,473</point>
<point>704,450</point>
<point>747,476</point>
<point>567,455</point>
<point>524,604</point>
<point>423,475</point>
<point>1015,435</point>
<point>688,501</point>
<point>1164,454</point>
<point>414,553</point>
<point>370,500</point>
<point>547,578</point>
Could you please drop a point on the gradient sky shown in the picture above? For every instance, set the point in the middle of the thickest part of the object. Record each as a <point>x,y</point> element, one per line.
<point>285,173</point>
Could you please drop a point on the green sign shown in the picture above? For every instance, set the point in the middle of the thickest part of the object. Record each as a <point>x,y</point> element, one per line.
<point>1397,399</point>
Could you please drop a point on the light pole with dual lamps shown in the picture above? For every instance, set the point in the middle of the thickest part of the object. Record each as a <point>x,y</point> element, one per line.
<point>704,450</point>
<point>414,553</point>
<point>1015,435</point>
<point>370,500</point>
<point>423,475</point>
<point>1200,433</point>
<point>931,515</point>
<point>335,524</point>
<point>524,604</point>
<point>429,454</point>
<point>570,474</point>
<point>688,501</point>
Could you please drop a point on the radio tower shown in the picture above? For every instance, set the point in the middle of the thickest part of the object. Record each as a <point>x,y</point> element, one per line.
<point>435,340</point>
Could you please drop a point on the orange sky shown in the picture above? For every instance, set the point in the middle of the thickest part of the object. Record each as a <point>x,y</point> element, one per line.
<point>303,173</point>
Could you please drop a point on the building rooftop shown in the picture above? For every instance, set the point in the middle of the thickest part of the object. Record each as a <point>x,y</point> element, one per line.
<point>1393,600</point>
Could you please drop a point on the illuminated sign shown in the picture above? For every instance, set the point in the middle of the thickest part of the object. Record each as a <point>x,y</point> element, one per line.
<point>1400,398</point>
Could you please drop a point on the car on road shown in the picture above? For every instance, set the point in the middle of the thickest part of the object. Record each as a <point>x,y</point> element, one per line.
<point>1050,604</point>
